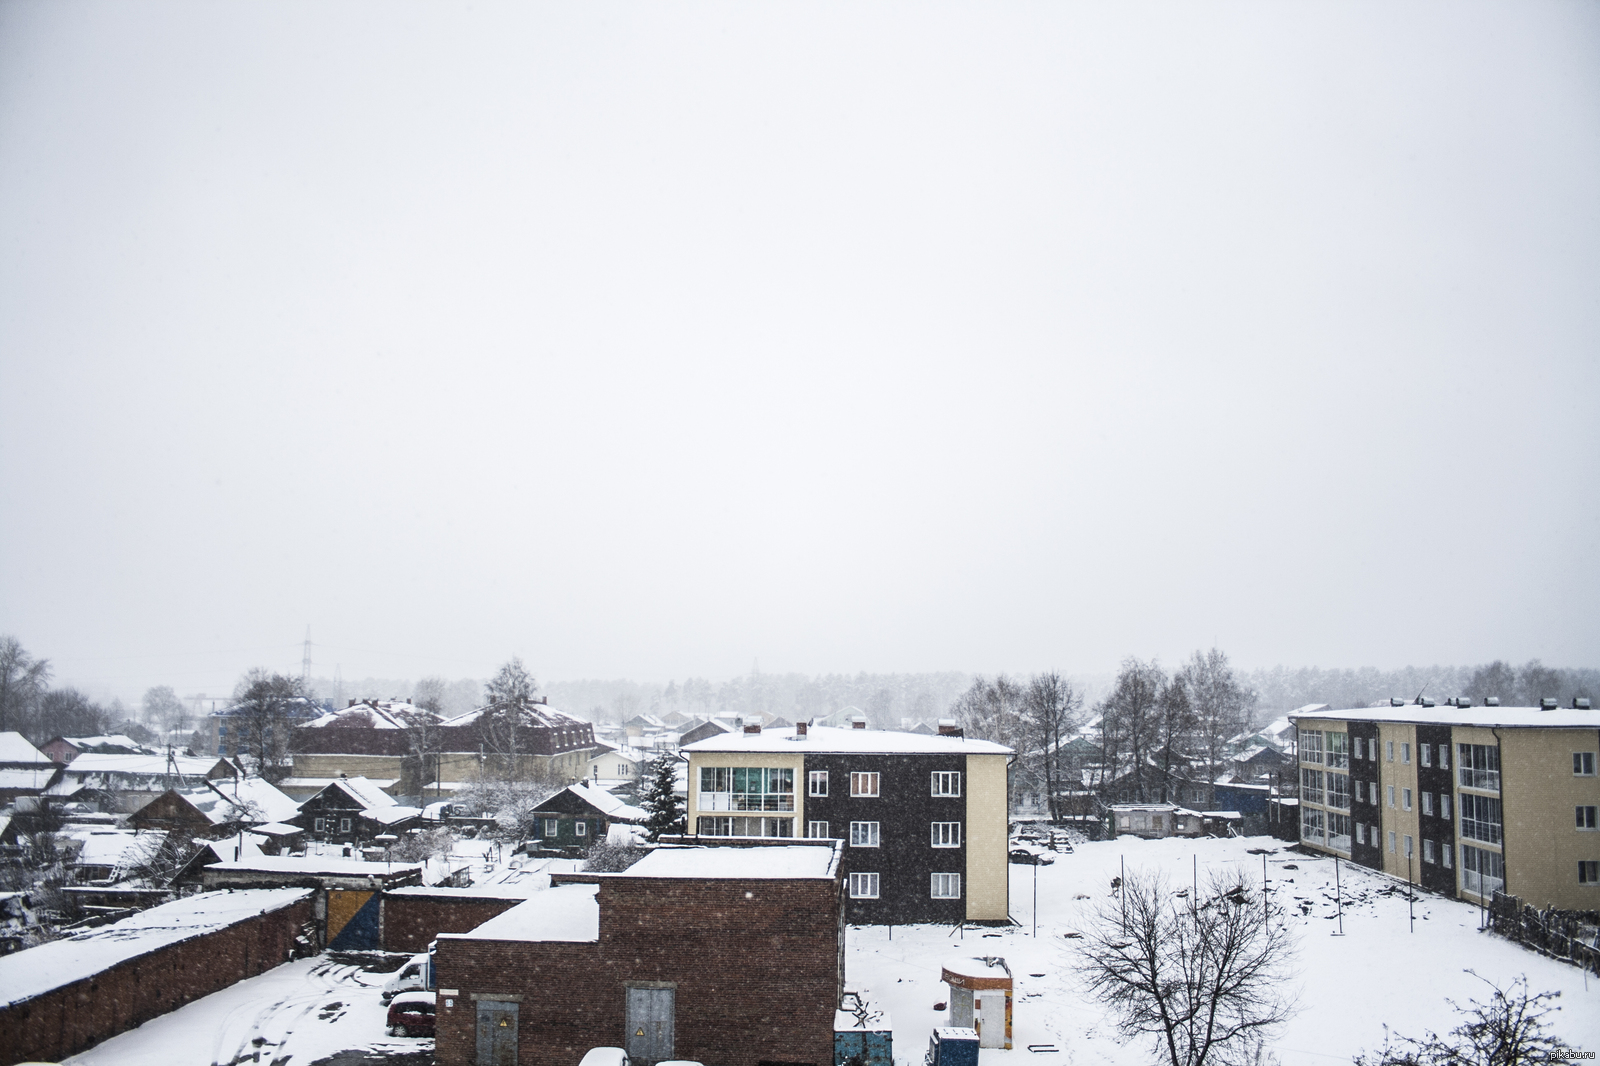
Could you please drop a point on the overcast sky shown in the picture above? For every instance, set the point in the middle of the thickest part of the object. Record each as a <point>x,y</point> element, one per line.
<point>651,340</point>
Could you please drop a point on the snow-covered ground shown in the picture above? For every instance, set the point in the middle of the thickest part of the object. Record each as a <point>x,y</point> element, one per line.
<point>1347,986</point>
<point>295,1015</point>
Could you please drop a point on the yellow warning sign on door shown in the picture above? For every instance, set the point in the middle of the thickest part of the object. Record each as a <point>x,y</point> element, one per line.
<point>639,1033</point>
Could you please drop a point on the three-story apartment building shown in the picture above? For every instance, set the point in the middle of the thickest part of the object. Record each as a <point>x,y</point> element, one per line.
<point>1463,800</point>
<point>922,818</point>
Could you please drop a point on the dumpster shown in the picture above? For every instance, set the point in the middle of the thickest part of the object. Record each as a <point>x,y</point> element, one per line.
<point>953,1045</point>
<point>862,1037</point>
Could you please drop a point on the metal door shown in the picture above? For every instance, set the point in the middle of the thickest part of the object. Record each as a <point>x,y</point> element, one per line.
<point>650,1017</point>
<point>497,1033</point>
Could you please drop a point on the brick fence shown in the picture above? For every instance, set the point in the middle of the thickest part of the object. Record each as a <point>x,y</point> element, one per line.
<point>68,1019</point>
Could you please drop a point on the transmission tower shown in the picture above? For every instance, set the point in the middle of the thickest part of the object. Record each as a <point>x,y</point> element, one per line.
<point>305,663</point>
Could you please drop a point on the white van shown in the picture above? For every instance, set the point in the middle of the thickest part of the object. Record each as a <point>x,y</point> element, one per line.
<point>412,977</point>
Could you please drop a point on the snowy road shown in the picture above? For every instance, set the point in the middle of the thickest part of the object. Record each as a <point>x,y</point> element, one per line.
<point>299,1014</point>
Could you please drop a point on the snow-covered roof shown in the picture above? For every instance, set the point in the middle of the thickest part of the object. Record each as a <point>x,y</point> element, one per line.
<point>737,863</point>
<point>277,829</point>
<point>1250,753</point>
<point>14,747</point>
<point>91,762</point>
<point>539,713</point>
<point>373,714</point>
<point>846,741</point>
<point>319,865</point>
<point>35,971</point>
<point>564,913</point>
<point>105,740</point>
<point>115,847</point>
<point>1500,717</point>
<point>607,804</point>
<point>391,814</point>
<point>258,796</point>
<point>319,783</point>
<point>368,793</point>
<point>26,779</point>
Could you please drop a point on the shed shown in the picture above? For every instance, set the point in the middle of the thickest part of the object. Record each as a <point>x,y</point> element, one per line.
<point>980,997</point>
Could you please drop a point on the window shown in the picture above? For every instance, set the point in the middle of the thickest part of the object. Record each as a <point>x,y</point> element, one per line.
<point>1444,805</point>
<point>1427,804</point>
<point>946,886</point>
<point>817,783</point>
<point>1480,767</point>
<point>1338,753</point>
<point>1391,842</point>
<point>1339,791</point>
<point>1405,799</point>
<point>1339,831</point>
<point>1388,750</point>
<point>344,825</point>
<point>1358,747</point>
<point>1425,757</point>
<point>1445,852</point>
<point>1391,795</point>
<point>1310,746</point>
<point>1444,764</point>
<point>551,827</point>
<point>580,828</point>
<point>746,788</point>
<point>1312,825</point>
<point>321,825</point>
<point>1480,818</point>
<point>863,834</point>
<point>1311,786</point>
<point>1583,763</point>
<point>863,886</point>
<point>947,782</point>
<point>817,830</point>
<point>1483,873</point>
<point>1405,751</point>
<point>745,827</point>
<point>1361,833</point>
<point>948,834</point>
<point>1586,817</point>
<point>1427,847</point>
<point>864,784</point>
<point>1588,872</point>
<point>1408,847</point>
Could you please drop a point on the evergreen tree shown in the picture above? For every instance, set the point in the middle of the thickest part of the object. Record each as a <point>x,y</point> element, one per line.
<point>661,798</point>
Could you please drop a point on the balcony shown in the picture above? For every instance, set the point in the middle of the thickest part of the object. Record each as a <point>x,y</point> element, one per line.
<point>1482,780</point>
<point>747,801</point>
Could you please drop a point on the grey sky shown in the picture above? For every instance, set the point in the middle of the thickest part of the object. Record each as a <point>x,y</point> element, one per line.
<point>646,340</point>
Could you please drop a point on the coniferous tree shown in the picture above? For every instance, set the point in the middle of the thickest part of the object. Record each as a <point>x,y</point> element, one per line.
<point>661,798</point>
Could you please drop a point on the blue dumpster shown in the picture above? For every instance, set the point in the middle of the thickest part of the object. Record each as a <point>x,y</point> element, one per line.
<point>953,1045</point>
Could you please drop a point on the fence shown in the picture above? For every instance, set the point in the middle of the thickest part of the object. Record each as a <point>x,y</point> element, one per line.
<point>1570,935</point>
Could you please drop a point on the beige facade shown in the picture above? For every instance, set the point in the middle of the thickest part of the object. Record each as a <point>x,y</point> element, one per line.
<point>988,885</point>
<point>1397,786</point>
<point>1540,794</point>
<point>714,805</point>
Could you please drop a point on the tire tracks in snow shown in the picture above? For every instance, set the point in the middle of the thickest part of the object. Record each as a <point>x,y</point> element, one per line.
<point>288,1011</point>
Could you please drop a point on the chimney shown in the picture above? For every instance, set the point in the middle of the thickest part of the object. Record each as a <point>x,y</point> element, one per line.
<point>754,727</point>
<point>1463,701</point>
<point>858,722</point>
<point>948,728</point>
<point>800,728</point>
<point>352,702</point>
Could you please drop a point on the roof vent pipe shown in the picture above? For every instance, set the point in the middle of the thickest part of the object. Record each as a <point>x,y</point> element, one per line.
<point>1395,701</point>
<point>1580,703</point>
<point>800,728</point>
<point>749,729</point>
<point>1491,701</point>
<point>1548,704</point>
<point>1463,701</point>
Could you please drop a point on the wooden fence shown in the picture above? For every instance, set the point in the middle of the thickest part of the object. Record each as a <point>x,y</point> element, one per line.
<point>1570,935</point>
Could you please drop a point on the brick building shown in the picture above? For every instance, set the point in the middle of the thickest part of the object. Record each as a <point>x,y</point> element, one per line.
<point>413,916</point>
<point>62,997</point>
<point>923,818</point>
<point>1478,799</point>
<point>730,954</point>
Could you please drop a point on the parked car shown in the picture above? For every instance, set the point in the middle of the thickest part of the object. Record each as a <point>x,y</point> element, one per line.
<point>1030,857</point>
<point>412,1014</point>
<point>605,1056</point>
<point>411,977</point>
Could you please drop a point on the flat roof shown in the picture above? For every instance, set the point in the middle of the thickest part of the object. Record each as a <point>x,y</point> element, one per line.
<point>35,971</point>
<point>564,913</point>
<point>846,741</point>
<point>737,863</point>
<point>1501,717</point>
<point>314,865</point>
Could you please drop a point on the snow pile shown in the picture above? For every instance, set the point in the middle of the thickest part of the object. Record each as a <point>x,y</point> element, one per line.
<point>38,970</point>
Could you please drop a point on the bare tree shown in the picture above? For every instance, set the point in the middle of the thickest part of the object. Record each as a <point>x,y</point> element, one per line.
<point>265,709</point>
<point>511,685</point>
<point>1202,979</point>
<point>1175,724</point>
<point>1050,706</point>
<point>1130,721</point>
<point>1221,704</point>
<point>1506,1031</point>
<point>429,694</point>
<point>164,710</point>
<point>67,712</point>
<point>23,679</point>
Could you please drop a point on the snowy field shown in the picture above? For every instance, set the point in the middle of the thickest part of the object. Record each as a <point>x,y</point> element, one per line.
<point>311,1011</point>
<point>1346,987</point>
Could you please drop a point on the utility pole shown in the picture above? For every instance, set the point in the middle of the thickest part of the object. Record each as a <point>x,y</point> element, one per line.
<point>305,664</point>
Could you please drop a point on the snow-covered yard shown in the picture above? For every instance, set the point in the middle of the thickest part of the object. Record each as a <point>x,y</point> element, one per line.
<point>301,1013</point>
<point>1347,987</point>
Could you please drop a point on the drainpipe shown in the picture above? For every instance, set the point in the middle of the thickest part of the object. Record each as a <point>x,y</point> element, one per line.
<point>1504,853</point>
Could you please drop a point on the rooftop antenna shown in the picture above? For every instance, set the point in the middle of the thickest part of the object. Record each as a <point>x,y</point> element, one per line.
<point>1418,700</point>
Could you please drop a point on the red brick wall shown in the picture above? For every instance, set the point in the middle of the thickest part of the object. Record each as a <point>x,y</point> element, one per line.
<point>410,922</point>
<point>67,1020</point>
<point>757,975</point>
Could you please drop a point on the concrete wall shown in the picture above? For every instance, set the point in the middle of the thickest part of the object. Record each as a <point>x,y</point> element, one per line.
<point>67,1020</point>
<point>988,870</point>
<point>1539,794</point>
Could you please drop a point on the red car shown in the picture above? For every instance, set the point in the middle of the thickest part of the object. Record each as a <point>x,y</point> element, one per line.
<point>412,1014</point>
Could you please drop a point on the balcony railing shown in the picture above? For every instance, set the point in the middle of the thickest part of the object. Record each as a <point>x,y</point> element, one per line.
<point>1477,829</point>
<point>747,801</point>
<point>1483,780</point>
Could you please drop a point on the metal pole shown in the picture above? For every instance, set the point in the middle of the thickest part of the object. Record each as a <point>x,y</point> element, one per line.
<point>1122,893</point>
<point>1265,915</point>
<point>1194,902</point>
<point>1338,893</point>
<point>1036,900</point>
<point>1410,895</point>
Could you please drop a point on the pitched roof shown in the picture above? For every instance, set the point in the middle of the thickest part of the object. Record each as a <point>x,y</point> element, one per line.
<point>373,714</point>
<point>602,801</point>
<point>14,747</point>
<point>363,791</point>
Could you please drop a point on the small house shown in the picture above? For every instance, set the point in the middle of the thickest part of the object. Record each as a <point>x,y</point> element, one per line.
<point>580,815</point>
<point>65,749</point>
<point>353,809</point>
<point>1156,820</point>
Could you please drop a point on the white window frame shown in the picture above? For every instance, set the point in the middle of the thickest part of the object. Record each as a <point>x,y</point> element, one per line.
<point>817,830</point>
<point>1427,804</point>
<point>1410,849</point>
<point>863,886</point>
<point>1444,764</point>
<point>864,834</point>
<point>1591,867</point>
<point>1444,807</point>
<point>1405,799</point>
<point>1405,752</point>
<point>1447,853</point>
<point>817,783</point>
<point>946,783</point>
<point>946,834</point>
<point>344,825</point>
<point>1428,851</point>
<point>552,827</point>
<point>580,828</point>
<point>1361,834</point>
<point>944,886</point>
<point>1583,764</point>
<point>1391,796</point>
<point>1388,750</point>
<point>864,784</point>
<point>1391,842</point>
<point>1425,754</point>
<point>320,825</point>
